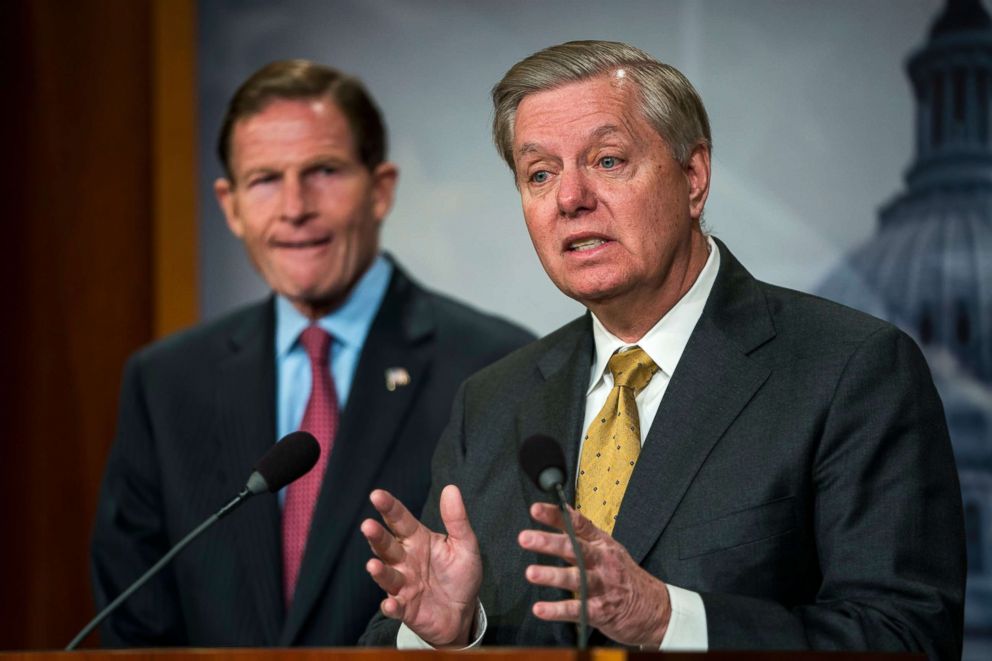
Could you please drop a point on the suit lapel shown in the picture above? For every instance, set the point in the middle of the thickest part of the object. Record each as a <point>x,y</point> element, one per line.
<point>400,336</point>
<point>246,430</point>
<point>694,414</point>
<point>555,409</point>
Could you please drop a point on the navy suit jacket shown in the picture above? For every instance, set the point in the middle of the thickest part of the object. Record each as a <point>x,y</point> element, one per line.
<point>198,409</point>
<point>798,474</point>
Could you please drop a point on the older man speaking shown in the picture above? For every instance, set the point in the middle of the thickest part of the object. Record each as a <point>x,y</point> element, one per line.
<point>751,467</point>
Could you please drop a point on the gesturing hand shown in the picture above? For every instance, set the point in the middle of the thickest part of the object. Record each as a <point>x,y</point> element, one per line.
<point>626,603</point>
<point>432,580</point>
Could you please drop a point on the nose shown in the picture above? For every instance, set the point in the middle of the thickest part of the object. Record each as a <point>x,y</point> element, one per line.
<point>295,208</point>
<point>575,196</point>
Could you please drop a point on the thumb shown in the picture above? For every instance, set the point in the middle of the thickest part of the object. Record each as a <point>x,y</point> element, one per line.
<point>454,516</point>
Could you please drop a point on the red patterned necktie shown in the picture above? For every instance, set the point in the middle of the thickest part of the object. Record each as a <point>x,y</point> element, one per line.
<point>321,420</point>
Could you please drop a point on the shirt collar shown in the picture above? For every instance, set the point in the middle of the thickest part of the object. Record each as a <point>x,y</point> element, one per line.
<point>666,340</point>
<point>349,323</point>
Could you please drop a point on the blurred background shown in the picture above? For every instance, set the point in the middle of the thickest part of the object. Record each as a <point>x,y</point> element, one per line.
<point>852,158</point>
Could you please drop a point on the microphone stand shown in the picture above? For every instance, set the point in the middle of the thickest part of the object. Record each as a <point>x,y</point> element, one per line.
<point>102,615</point>
<point>580,562</point>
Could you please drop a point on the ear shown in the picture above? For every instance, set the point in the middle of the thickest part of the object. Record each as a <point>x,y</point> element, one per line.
<point>697,174</point>
<point>384,178</point>
<point>224,192</point>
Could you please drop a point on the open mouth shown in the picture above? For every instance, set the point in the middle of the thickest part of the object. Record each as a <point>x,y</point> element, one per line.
<point>586,244</point>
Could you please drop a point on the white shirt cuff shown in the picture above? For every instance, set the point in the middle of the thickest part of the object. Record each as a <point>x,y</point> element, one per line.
<point>406,639</point>
<point>687,628</point>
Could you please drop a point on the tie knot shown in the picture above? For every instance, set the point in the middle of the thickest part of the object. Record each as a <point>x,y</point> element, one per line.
<point>632,369</point>
<point>317,343</point>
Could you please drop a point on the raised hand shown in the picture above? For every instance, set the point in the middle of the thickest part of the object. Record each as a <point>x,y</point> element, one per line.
<point>431,580</point>
<point>626,603</point>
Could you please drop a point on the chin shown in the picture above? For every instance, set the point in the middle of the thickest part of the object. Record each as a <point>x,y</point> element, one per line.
<point>595,292</point>
<point>303,295</point>
<point>325,299</point>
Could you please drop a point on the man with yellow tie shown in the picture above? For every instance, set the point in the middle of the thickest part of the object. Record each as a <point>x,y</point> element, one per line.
<point>751,467</point>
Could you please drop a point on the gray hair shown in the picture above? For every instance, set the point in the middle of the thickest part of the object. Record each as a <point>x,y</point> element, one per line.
<point>668,100</point>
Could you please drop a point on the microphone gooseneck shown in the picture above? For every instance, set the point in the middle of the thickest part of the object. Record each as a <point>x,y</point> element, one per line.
<point>286,461</point>
<point>542,458</point>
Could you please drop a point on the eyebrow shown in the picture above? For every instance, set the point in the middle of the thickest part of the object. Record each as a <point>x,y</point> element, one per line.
<point>527,148</point>
<point>317,161</point>
<point>258,169</point>
<point>600,133</point>
<point>605,130</point>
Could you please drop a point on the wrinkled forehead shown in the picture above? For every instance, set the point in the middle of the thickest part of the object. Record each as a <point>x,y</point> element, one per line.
<point>589,109</point>
<point>616,82</point>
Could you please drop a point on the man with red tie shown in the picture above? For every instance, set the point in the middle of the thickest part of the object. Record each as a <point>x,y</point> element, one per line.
<point>348,347</point>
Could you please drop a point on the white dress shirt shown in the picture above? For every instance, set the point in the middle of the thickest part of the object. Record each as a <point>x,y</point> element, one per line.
<point>664,343</point>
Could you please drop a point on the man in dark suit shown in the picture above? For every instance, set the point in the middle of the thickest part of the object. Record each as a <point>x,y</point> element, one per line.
<point>752,467</point>
<point>348,347</point>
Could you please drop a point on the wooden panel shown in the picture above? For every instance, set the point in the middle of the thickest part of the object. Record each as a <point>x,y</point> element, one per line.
<point>488,654</point>
<point>78,293</point>
<point>174,164</point>
<point>312,654</point>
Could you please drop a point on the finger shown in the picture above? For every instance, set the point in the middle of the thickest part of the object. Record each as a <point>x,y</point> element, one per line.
<point>584,528</point>
<point>391,608</point>
<point>547,514</point>
<point>382,542</point>
<point>397,517</point>
<point>547,543</point>
<point>454,515</point>
<point>557,611</point>
<point>385,576</point>
<point>563,578</point>
<point>551,516</point>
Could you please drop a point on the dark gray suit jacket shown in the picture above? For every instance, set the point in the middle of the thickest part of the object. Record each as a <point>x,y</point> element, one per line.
<point>198,409</point>
<point>798,474</point>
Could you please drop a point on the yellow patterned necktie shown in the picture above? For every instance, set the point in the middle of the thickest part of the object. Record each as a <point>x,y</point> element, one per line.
<point>613,441</point>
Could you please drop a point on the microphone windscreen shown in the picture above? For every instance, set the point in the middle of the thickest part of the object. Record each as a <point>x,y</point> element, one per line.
<point>289,459</point>
<point>539,453</point>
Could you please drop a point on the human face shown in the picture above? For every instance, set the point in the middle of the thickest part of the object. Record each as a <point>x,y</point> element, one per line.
<point>306,208</point>
<point>613,217</point>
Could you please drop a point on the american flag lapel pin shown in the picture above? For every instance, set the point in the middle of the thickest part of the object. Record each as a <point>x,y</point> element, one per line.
<point>396,377</point>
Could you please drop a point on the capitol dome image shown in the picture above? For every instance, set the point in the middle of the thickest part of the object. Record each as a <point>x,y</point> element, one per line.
<point>928,266</point>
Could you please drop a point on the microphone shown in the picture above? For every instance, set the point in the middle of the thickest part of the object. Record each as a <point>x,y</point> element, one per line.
<point>542,458</point>
<point>286,461</point>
